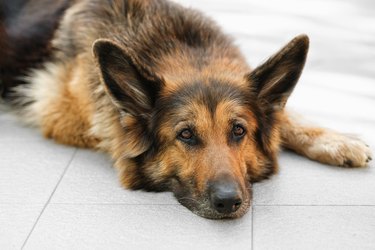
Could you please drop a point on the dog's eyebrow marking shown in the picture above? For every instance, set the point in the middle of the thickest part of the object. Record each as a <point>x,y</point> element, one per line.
<point>184,124</point>
<point>238,120</point>
<point>178,122</point>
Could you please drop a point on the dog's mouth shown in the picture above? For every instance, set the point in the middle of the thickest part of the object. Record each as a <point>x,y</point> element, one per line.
<point>202,205</point>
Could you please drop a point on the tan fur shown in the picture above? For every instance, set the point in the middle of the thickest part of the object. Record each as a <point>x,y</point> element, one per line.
<point>69,115</point>
<point>323,145</point>
<point>181,66</point>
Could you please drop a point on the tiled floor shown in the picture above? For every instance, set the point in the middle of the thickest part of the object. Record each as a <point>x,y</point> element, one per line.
<point>57,197</point>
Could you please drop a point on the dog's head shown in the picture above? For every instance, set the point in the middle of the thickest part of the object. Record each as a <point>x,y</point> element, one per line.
<point>204,138</point>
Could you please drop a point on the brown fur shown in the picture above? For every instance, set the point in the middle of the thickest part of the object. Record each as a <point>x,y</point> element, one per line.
<point>129,76</point>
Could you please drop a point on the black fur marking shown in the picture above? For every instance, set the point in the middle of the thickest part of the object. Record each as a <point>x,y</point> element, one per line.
<point>143,180</point>
<point>265,125</point>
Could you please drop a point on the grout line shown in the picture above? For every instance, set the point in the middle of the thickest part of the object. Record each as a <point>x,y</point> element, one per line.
<point>91,203</point>
<point>177,204</point>
<point>49,199</point>
<point>113,204</point>
<point>22,140</point>
<point>252,227</point>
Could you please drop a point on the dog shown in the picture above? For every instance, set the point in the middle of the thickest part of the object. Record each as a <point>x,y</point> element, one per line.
<point>165,92</point>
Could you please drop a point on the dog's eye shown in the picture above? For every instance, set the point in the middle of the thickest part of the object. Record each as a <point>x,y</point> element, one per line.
<point>188,137</point>
<point>186,134</point>
<point>238,131</point>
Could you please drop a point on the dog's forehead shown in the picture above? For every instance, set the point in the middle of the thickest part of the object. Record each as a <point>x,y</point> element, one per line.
<point>208,93</point>
<point>207,102</point>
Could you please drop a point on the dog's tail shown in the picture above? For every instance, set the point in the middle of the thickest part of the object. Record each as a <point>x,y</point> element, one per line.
<point>27,28</point>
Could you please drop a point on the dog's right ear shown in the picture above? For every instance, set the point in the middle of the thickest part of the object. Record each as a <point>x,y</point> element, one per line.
<point>131,88</point>
<point>275,79</point>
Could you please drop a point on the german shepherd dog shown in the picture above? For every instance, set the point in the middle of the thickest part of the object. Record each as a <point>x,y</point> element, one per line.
<point>162,90</point>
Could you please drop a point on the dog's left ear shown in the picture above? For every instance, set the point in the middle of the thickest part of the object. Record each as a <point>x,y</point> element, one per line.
<point>275,79</point>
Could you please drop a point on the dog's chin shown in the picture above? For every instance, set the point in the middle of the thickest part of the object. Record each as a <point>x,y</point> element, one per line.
<point>214,215</point>
<point>204,209</point>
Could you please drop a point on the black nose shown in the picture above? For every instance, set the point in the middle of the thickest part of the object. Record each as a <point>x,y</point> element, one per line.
<point>225,196</point>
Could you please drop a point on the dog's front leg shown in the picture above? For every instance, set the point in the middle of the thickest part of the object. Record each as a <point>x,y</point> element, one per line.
<point>323,145</point>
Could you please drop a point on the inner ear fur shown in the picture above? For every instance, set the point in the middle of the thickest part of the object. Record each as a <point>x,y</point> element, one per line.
<point>275,79</point>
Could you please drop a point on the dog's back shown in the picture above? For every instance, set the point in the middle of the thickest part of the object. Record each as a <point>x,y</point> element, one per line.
<point>152,30</point>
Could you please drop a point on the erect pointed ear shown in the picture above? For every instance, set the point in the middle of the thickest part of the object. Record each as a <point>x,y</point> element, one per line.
<point>275,79</point>
<point>131,88</point>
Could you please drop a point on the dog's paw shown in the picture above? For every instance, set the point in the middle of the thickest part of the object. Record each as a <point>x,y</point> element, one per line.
<point>340,150</point>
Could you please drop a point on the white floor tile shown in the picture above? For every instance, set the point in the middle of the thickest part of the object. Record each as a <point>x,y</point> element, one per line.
<point>135,227</point>
<point>12,130</point>
<point>92,179</point>
<point>16,221</point>
<point>29,171</point>
<point>314,227</point>
<point>304,182</point>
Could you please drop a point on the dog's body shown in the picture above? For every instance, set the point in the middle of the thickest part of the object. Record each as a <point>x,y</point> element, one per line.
<point>164,92</point>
